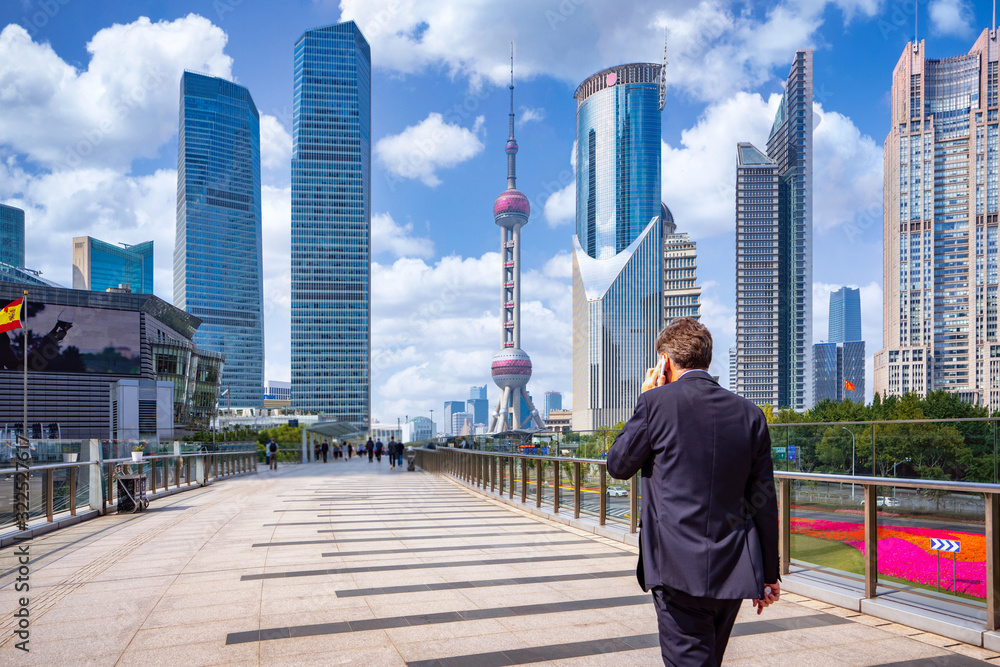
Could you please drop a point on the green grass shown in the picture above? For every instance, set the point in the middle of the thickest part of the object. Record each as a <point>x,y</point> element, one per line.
<point>827,553</point>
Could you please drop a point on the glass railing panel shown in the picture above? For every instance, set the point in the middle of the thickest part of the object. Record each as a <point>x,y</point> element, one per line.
<point>932,543</point>
<point>590,489</point>
<point>827,528</point>
<point>619,501</point>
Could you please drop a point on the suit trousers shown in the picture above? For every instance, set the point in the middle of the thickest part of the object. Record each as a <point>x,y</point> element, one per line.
<point>693,631</point>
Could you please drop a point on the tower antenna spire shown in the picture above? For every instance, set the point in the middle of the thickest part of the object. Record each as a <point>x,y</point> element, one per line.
<point>512,90</point>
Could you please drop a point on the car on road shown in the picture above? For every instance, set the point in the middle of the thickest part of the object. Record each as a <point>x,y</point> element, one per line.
<point>617,492</point>
<point>885,501</point>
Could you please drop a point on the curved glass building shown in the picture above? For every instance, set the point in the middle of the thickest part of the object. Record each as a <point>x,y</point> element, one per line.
<point>618,246</point>
<point>11,235</point>
<point>217,255</point>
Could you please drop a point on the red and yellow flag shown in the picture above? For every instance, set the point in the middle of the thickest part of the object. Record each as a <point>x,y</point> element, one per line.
<point>848,385</point>
<point>10,317</point>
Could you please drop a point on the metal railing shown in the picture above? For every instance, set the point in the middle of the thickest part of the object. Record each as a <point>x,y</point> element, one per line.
<point>513,475</point>
<point>58,488</point>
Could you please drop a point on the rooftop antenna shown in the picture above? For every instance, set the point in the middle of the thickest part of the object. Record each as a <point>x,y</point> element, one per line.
<point>663,71</point>
<point>994,19</point>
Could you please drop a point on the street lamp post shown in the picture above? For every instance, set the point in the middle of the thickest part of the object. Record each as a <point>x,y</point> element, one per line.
<point>215,421</point>
<point>433,434</point>
<point>852,458</point>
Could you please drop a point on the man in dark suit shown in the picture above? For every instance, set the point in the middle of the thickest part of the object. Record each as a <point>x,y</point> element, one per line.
<point>709,528</point>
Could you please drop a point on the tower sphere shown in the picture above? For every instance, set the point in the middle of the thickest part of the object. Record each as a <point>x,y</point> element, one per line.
<point>511,368</point>
<point>511,208</point>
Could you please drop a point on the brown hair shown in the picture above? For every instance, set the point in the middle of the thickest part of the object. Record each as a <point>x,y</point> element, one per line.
<point>687,342</point>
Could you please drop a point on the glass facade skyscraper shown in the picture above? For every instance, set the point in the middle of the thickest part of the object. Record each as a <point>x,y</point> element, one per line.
<point>837,367</point>
<point>100,266</point>
<point>618,245</point>
<point>217,255</point>
<point>845,315</point>
<point>11,235</point>
<point>331,224</point>
<point>940,243</point>
<point>451,408</point>
<point>774,253</point>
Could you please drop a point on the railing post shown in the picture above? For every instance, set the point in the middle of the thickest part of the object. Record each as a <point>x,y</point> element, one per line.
<point>500,470</point>
<point>633,504</point>
<point>177,473</point>
<point>96,500</point>
<point>73,470</point>
<point>785,516</point>
<point>555,486</point>
<point>187,469</point>
<point>152,475</point>
<point>47,477</point>
<point>111,482</point>
<point>992,561</point>
<point>539,471</point>
<point>576,489</point>
<point>510,490</point>
<point>871,539</point>
<point>524,480</point>
<point>602,515</point>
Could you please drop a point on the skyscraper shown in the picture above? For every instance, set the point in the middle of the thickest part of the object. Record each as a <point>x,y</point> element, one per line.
<point>553,401</point>
<point>451,408</point>
<point>477,392</point>
<point>845,315</point>
<point>217,255</point>
<point>11,235</point>
<point>479,408</point>
<point>618,245</point>
<point>681,293</point>
<point>511,367</point>
<point>100,266</point>
<point>939,233</point>
<point>774,253</point>
<point>839,364</point>
<point>331,224</point>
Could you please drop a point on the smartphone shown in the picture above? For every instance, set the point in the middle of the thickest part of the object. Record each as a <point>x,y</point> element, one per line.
<point>661,366</point>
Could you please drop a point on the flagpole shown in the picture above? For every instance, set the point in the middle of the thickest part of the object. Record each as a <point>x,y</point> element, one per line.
<point>24,355</point>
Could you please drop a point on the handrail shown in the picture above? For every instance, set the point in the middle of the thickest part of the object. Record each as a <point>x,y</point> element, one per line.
<point>166,471</point>
<point>904,482</point>
<point>463,465</point>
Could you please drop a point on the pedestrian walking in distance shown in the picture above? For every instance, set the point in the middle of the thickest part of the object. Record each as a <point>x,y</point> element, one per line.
<point>379,448</point>
<point>709,530</point>
<point>272,448</point>
<point>324,449</point>
<point>350,451</point>
<point>392,452</point>
<point>370,448</point>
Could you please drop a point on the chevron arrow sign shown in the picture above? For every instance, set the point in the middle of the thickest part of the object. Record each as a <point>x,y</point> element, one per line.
<point>953,546</point>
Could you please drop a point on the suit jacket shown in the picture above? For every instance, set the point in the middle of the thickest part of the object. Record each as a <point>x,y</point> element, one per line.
<point>709,522</point>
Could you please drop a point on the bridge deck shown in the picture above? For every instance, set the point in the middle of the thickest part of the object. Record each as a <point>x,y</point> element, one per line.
<point>351,563</point>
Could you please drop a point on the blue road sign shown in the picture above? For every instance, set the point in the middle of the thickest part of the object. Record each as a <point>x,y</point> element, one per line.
<point>952,546</point>
<point>791,452</point>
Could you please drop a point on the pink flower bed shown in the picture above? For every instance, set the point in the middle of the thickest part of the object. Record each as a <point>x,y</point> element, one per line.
<point>899,558</point>
<point>905,552</point>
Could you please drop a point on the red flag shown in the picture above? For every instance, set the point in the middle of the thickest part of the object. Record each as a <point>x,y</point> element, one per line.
<point>10,317</point>
<point>848,385</point>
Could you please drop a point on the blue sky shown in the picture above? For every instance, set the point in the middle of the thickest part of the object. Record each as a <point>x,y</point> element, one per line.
<point>88,145</point>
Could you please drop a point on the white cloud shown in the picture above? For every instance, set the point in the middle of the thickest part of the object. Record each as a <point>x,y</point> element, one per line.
<point>275,144</point>
<point>529,114</point>
<point>432,144</point>
<point>388,236</point>
<point>122,107</point>
<point>699,176</point>
<point>952,17</point>
<point>436,327</point>
<point>560,205</point>
<point>717,46</point>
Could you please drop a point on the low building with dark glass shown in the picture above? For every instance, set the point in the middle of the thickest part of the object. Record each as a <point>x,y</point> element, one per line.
<point>81,343</point>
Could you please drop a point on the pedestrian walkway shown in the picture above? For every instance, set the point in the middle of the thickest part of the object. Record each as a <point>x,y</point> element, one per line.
<point>350,562</point>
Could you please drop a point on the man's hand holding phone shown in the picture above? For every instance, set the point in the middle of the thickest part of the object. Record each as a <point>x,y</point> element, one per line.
<point>655,377</point>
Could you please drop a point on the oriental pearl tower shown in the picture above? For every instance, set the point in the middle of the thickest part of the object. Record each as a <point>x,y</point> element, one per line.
<point>511,365</point>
